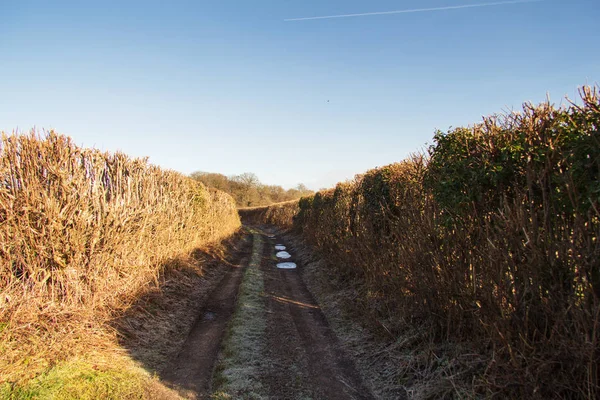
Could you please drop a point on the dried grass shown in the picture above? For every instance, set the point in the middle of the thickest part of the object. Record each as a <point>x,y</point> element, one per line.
<point>280,214</point>
<point>83,234</point>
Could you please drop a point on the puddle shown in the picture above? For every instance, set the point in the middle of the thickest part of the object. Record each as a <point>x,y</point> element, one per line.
<point>286,265</point>
<point>283,254</point>
<point>209,316</point>
<point>279,247</point>
<point>271,236</point>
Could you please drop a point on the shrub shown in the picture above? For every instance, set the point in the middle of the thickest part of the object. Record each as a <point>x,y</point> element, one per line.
<point>82,233</point>
<point>491,238</point>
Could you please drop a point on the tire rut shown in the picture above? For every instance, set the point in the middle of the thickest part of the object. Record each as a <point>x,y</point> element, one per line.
<point>306,358</point>
<point>191,371</point>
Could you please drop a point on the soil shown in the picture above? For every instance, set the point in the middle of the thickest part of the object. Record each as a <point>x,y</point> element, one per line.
<point>302,359</point>
<point>305,358</point>
<point>386,364</point>
<point>190,373</point>
<point>154,329</point>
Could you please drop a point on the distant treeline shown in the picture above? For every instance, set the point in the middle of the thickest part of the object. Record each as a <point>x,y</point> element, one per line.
<point>248,191</point>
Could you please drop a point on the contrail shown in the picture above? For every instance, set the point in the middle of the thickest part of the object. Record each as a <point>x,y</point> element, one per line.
<point>416,10</point>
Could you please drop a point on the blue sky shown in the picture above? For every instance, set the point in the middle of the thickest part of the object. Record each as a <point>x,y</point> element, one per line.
<point>229,86</point>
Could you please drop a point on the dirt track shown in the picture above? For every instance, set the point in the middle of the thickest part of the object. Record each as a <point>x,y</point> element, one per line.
<point>306,358</point>
<point>302,357</point>
<point>191,371</point>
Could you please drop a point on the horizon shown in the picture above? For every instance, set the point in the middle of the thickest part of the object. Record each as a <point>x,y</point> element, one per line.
<point>294,93</point>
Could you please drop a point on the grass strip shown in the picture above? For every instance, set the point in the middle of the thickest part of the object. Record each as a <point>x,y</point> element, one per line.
<point>237,372</point>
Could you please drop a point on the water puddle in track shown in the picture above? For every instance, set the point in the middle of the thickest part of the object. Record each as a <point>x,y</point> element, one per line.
<point>279,247</point>
<point>209,316</point>
<point>286,265</point>
<point>283,254</point>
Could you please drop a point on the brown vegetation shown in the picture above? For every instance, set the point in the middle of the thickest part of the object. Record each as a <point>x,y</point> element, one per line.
<point>82,235</point>
<point>490,239</point>
<point>280,214</point>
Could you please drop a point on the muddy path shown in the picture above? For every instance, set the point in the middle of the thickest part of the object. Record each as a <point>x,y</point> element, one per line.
<point>305,357</point>
<point>298,356</point>
<point>190,373</point>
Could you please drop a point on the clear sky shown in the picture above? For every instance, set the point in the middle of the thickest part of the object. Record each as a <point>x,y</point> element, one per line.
<point>230,87</point>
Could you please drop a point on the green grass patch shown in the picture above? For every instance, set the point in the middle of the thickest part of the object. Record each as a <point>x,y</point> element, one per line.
<point>79,379</point>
